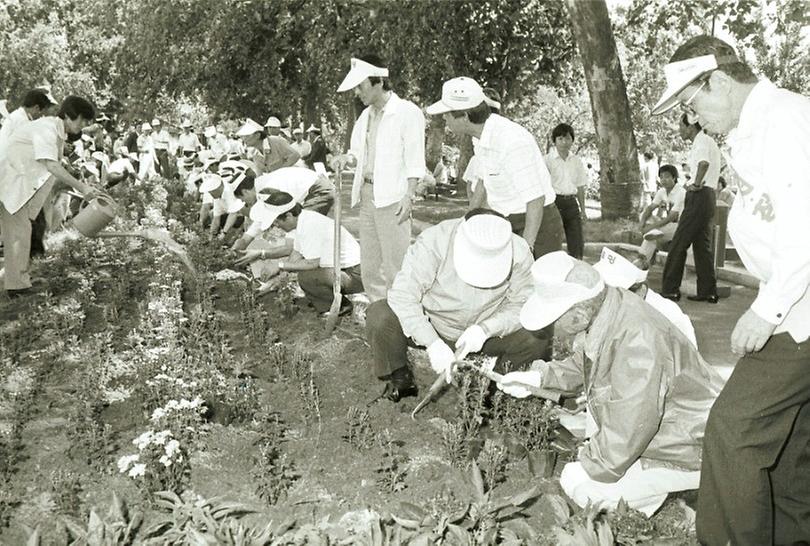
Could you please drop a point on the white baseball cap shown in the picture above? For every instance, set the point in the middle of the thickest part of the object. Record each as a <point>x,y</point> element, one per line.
<point>360,70</point>
<point>146,127</point>
<point>298,131</point>
<point>265,214</point>
<point>482,250</point>
<point>250,127</point>
<point>458,94</point>
<point>210,182</point>
<point>155,122</point>
<point>681,73</point>
<point>616,270</point>
<point>272,121</point>
<point>313,129</point>
<point>553,295</point>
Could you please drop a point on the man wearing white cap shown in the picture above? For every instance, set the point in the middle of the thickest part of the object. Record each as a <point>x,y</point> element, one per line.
<point>618,271</point>
<point>388,153</point>
<point>277,151</point>
<point>253,135</point>
<point>648,390</point>
<point>461,285</point>
<point>146,153</point>
<point>216,141</point>
<point>301,146</point>
<point>161,140</point>
<point>312,255</point>
<point>515,176</point>
<point>754,488</point>
<point>188,142</point>
<point>224,203</point>
<point>35,104</point>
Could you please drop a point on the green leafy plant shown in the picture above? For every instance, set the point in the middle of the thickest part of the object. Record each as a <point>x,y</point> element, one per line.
<point>66,488</point>
<point>392,469</point>
<point>254,317</point>
<point>492,461</point>
<point>630,527</point>
<point>273,473</point>
<point>119,527</point>
<point>588,528</point>
<point>359,433</point>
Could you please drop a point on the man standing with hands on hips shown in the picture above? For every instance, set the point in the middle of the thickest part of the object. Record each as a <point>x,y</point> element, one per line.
<point>388,153</point>
<point>754,488</point>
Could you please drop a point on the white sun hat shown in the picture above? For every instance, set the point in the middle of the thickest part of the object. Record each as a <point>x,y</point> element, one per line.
<point>360,70</point>
<point>616,270</point>
<point>210,182</point>
<point>186,124</point>
<point>313,129</point>
<point>210,131</point>
<point>265,214</point>
<point>298,131</point>
<point>553,295</point>
<point>273,121</point>
<point>155,122</point>
<point>458,94</point>
<point>250,127</point>
<point>146,127</point>
<point>681,73</point>
<point>482,250</point>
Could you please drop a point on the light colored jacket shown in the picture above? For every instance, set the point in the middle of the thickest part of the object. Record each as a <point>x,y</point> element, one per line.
<point>400,150</point>
<point>648,389</point>
<point>431,300</point>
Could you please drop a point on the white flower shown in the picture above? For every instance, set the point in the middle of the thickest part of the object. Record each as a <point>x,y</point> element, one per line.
<point>143,440</point>
<point>171,447</point>
<point>125,462</point>
<point>165,460</point>
<point>160,437</point>
<point>159,413</point>
<point>137,470</point>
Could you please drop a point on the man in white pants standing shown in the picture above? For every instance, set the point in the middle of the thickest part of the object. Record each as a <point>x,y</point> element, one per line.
<point>388,153</point>
<point>647,388</point>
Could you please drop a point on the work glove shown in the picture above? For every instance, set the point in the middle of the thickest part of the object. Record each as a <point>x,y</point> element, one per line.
<point>441,359</point>
<point>517,383</point>
<point>470,341</point>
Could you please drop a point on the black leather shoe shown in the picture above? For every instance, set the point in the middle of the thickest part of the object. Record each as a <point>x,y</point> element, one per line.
<point>676,296</point>
<point>708,299</point>
<point>396,393</point>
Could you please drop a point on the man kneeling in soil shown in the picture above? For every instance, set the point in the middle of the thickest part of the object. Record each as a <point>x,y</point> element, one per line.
<point>648,390</point>
<point>462,283</point>
<point>312,255</point>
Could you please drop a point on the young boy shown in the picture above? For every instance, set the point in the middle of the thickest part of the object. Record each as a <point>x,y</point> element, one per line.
<point>669,202</point>
<point>569,180</point>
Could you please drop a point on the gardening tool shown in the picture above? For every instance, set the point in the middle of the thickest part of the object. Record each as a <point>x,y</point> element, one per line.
<point>334,310</point>
<point>437,386</point>
<point>98,213</point>
<point>159,236</point>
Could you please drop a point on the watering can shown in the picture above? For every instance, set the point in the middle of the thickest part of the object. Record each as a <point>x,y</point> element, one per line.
<point>97,215</point>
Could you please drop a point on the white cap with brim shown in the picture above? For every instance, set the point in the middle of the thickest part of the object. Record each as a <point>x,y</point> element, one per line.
<point>155,122</point>
<point>360,70</point>
<point>210,182</point>
<point>553,295</point>
<point>298,131</point>
<point>616,270</point>
<point>250,127</point>
<point>458,94</point>
<point>482,250</point>
<point>146,127</point>
<point>681,73</point>
<point>273,121</point>
<point>265,214</point>
<point>186,124</point>
<point>234,205</point>
<point>313,129</point>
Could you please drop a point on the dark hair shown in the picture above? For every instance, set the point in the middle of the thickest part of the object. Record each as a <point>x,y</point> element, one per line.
<point>74,107</point>
<point>722,182</point>
<point>477,114</point>
<point>36,97</point>
<point>669,169</point>
<point>561,130</point>
<point>648,155</point>
<point>294,212</point>
<point>481,210</point>
<point>727,59</point>
<point>277,198</point>
<point>492,94</point>
<point>372,58</point>
<point>685,121</point>
<point>247,183</point>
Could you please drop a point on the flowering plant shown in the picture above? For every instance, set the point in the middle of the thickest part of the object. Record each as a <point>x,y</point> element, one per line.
<point>160,464</point>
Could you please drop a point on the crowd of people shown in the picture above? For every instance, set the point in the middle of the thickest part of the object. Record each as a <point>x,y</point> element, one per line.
<point>496,281</point>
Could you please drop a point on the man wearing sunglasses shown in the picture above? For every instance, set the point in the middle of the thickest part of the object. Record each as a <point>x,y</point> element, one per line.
<point>754,488</point>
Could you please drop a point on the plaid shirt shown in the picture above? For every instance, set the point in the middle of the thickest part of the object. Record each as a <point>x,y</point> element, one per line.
<point>512,166</point>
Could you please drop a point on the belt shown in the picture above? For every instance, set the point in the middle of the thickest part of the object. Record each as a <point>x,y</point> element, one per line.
<point>368,180</point>
<point>566,196</point>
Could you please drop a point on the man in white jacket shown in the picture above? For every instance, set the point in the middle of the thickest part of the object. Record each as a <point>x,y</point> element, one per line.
<point>388,153</point>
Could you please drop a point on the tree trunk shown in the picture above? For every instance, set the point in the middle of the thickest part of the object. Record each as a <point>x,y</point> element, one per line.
<point>435,139</point>
<point>618,157</point>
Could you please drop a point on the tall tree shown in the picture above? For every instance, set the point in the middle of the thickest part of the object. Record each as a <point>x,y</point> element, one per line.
<point>619,169</point>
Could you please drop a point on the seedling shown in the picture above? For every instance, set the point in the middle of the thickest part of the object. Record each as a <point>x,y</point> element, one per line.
<point>359,433</point>
<point>392,470</point>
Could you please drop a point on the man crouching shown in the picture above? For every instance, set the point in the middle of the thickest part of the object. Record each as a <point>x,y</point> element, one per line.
<point>648,390</point>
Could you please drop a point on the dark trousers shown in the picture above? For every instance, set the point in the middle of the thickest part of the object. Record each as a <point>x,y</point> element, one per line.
<point>389,346</point>
<point>694,228</point>
<point>163,167</point>
<point>549,236</point>
<point>755,479</point>
<point>38,228</point>
<point>572,224</point>
<point>317,285</point>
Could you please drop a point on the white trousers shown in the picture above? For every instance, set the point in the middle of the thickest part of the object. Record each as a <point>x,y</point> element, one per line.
<point>643,490</point>
<point>648,247</point>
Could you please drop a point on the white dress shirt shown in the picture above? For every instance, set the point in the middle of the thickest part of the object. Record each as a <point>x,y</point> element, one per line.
<point>704,148</point>
<point>512,167</point>
<point>770,219</point>
<point>672,201</point>
<point>315,236</point>
<point>15,119</point>
<point>567,175</point>
<point>399,150</point>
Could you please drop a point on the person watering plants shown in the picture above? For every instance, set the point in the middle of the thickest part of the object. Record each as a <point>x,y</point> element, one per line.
<point>388,150</point>
<point>648,389</point>
<point>27,174</point>
<point>461,285</point>
<point>754,487</point>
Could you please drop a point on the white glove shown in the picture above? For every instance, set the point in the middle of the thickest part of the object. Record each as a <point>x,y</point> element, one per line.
<point>470,341</point>
<point>516,383</point>
<point>441,359</point>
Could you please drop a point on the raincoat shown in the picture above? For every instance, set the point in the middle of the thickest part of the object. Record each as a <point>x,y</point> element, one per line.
<point>648,389</point>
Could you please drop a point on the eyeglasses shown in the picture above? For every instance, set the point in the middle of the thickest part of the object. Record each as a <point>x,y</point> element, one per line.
<point>687,105</point>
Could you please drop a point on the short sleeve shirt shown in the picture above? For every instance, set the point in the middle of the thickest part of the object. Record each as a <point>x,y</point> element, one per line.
<point>314,239</point>
<point>567,175</point>
<point>674,201</point>
<point>704,148</point>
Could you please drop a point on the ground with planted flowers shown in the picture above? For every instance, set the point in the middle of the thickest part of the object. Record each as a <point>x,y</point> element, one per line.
<point>144,403</point>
